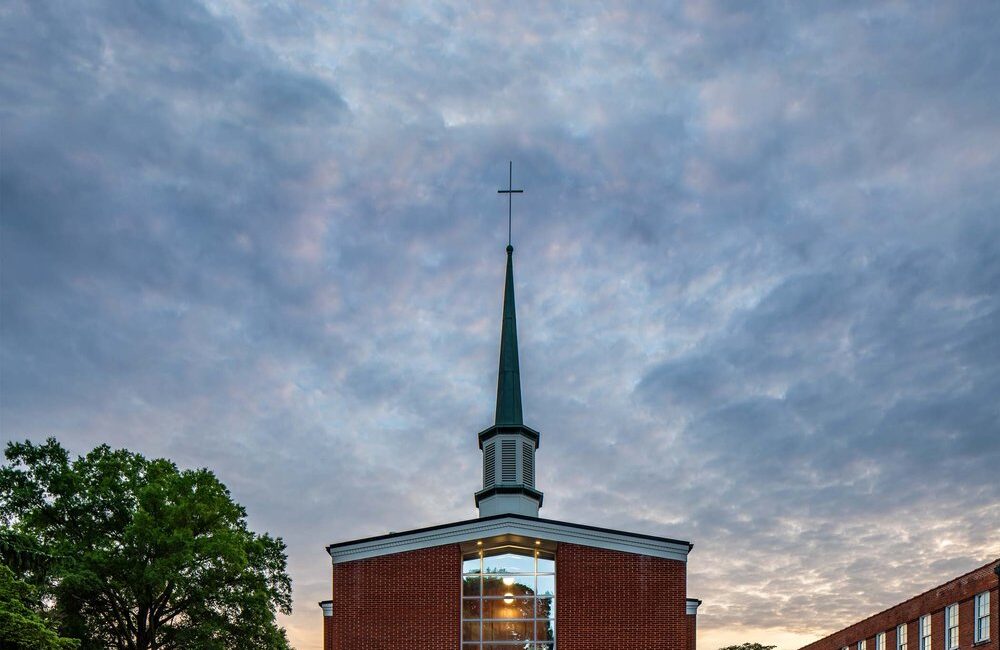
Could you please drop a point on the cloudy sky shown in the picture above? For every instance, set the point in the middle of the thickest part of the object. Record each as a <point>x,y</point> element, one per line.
<point>758,272</point>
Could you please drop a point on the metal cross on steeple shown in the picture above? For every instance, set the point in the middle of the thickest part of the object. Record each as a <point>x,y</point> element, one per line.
<point>510,192</point>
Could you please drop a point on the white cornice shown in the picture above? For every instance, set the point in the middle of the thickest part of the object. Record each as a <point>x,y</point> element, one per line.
<point>470,531</point>
<point>692,606</point>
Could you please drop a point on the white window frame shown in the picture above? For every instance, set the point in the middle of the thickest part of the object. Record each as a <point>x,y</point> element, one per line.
<point>981,617</point>
<point>926,632</point>
<point>863,644</point>
<point>951,627</point>
<point>901,637</point>
<point>880,641</point>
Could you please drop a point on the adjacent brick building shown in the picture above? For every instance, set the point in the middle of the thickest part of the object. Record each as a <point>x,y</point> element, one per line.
<point>961,614</point>
<point>509,579</point>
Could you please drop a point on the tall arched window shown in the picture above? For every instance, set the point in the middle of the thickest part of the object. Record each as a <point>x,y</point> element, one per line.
<point>508,600</point>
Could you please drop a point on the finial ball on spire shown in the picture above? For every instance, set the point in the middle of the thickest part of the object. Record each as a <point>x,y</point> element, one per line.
<point>510,249</point>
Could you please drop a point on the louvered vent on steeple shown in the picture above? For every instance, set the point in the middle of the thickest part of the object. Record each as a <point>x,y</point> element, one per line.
<point>508,461</point>
<point>528,462</point>
<point>489,466</point>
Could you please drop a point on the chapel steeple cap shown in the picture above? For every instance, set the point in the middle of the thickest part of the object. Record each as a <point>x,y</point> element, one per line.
<point>508,410</point>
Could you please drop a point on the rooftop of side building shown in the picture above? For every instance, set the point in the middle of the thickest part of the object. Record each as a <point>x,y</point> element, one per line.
<point>994,563</point>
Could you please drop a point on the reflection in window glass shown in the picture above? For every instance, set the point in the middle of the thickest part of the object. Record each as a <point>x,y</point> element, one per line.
<point>504,585</point>
<point>470,631</point>
<point>545,630</point>
<point>508,563</point>
<point>925,632</point>
<point>471,586</point>
<point>470,608</point>
<point>506,608</point>
<point>982,611</point>
<point>508,600</point>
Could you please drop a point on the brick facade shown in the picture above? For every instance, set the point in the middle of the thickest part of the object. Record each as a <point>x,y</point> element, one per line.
<point>961,590</point>
<point>692,631</point>
<point>403,601</point>
<point>327,632</point>
<point>609,599</point>
<point>604,599</point>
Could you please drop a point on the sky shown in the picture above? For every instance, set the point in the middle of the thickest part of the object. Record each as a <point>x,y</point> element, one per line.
<point>757,266</point>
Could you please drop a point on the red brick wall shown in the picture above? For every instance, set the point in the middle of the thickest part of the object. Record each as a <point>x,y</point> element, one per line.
<point>327,633</point>
<point>609,599</point>
<point>962,590</point>
<point>692,631</point>
<point>405,601</point>
<point>604,599</point>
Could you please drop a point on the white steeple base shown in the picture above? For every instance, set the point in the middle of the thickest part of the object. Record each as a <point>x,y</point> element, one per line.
<point>502,504</point>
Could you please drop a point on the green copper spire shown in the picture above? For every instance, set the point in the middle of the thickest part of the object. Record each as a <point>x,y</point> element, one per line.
<point>509,381</point>
<point>509,446</point>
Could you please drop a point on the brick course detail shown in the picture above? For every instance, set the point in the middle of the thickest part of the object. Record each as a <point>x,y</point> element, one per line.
<point>610,599</point>
<point>403,601</point>
<point>961,590</point>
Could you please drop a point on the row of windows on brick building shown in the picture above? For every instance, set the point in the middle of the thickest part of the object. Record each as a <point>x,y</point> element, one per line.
<point>981,629</point>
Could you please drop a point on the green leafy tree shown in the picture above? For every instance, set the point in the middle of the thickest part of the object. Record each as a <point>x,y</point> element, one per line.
<point>749,646</point>
<point>139,555</point>
<point>22,627</point>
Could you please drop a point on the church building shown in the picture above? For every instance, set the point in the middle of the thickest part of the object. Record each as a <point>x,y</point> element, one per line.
<point>510,579</point>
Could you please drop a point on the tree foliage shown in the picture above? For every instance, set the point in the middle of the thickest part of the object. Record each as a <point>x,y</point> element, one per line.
<point>136,554</point>
<point>749,646</point>
<point>22,627</point>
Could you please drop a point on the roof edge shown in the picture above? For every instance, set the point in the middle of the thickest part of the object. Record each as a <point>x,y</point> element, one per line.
<point>428,529</point>
<point>996,569</point>
<point>509,523</point>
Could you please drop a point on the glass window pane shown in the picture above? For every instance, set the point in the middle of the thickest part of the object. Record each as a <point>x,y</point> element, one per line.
<point>508,630</point>
<point>470,631</point>
<point>502,607</point>
<point>509,563</point>
<point>545,630</point>
<point>512,585</point>
<point>470,608</point>
<point>470,565</point>
<point>499,608</point>
<point>471,586</point>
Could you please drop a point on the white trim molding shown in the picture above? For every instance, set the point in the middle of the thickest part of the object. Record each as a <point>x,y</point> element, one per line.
<point>692,606</point>
<point>530,528</point>
<point>327,606</point>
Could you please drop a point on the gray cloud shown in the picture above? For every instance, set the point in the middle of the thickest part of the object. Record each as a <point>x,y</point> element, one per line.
<point>757,268</point>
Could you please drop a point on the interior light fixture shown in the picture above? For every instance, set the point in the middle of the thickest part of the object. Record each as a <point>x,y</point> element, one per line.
<point>508,581</point>
<point>508,598</point>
